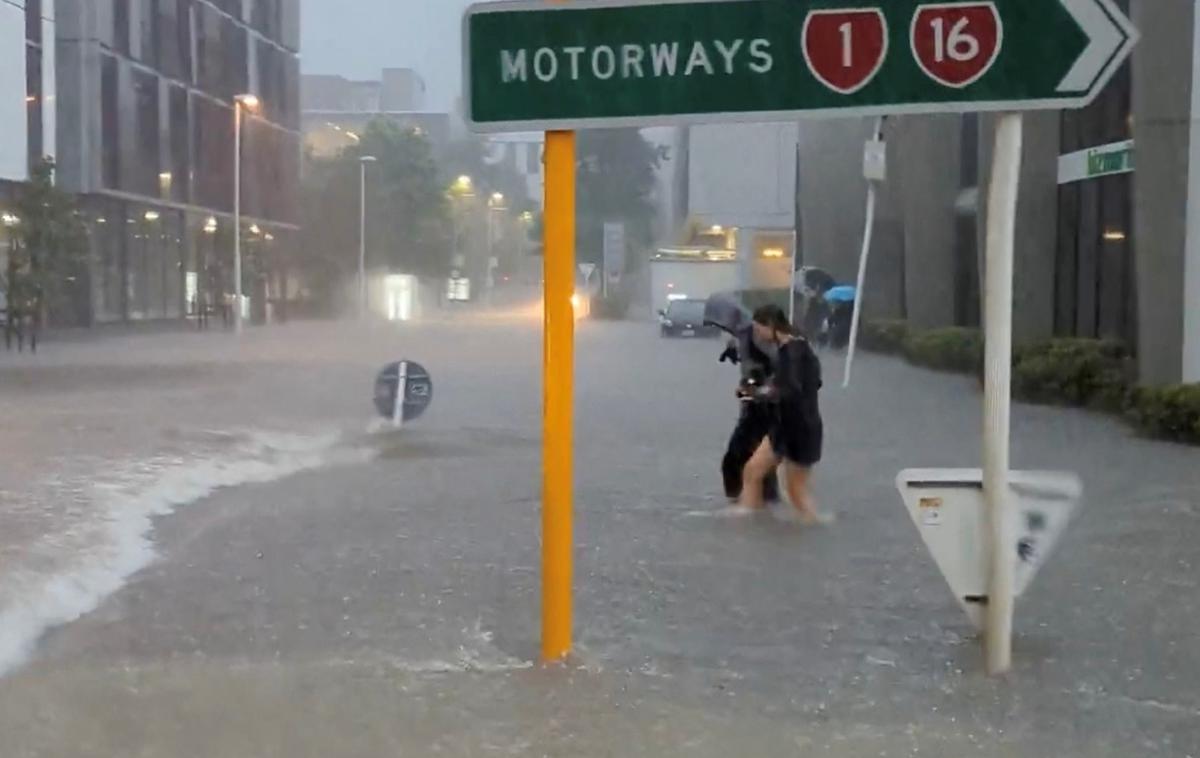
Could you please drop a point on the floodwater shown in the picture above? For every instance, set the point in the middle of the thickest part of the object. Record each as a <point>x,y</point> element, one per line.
<point>213,548</point>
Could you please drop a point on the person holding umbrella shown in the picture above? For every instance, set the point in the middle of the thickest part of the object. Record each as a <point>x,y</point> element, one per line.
<point>796,433</point>
<point>754,419</point>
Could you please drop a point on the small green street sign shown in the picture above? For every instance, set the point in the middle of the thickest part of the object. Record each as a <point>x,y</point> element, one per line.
<point>1103,164</point>
<point>584,63</point>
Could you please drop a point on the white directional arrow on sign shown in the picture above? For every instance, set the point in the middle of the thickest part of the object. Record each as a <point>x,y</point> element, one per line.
<point>1108,32</point>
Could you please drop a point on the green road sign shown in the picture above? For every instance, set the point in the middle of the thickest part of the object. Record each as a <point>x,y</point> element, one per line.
<point>583,63</point>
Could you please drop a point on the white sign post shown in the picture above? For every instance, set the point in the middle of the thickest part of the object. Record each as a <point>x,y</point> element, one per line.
<point>997,381</point>
<point>875,172</point>
<point>401,395</point>
<point>614,253</point>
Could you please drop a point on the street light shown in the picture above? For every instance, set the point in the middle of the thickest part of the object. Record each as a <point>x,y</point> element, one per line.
<point>362,234</point>
<point>210,225</point>
<point>462,185</point>
<point>250,103</point>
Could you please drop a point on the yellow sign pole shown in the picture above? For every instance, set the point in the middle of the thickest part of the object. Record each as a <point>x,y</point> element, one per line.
<point>558,375</point>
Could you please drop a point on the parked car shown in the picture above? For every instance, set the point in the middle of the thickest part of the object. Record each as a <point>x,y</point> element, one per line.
<point>685,318</point>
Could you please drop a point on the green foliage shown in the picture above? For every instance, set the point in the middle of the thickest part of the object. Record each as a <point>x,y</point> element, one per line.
<point>1170,413</point>
<point>951,349</point>
<point>1088,373</point>
<point>467,157</point>
<point>49,244</point>
<point>1079,372</point>
<point>408,220</point>
<point>615,181</point>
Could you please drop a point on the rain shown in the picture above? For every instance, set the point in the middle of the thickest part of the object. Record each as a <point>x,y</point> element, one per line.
<point>347,462</point>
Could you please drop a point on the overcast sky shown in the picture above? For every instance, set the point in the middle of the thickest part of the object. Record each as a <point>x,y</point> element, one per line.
<point>357,38</point>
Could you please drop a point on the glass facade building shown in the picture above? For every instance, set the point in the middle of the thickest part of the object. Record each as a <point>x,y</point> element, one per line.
<point>150,86</point>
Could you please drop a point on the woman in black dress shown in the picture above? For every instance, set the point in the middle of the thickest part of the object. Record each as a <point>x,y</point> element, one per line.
<point>796,431</point>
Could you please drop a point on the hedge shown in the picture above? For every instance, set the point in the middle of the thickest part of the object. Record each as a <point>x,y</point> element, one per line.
<point>1095,374</point>
<point>1171,413</point>
<point>952,349</point>
<point>1080,372</point>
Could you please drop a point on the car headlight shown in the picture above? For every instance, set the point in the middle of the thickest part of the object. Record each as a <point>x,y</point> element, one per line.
<point>668,322</point>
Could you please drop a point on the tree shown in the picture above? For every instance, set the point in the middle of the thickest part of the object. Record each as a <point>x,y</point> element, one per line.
<point>467,158</point>
<point>615,181</point>
<point>408,223</point>
<point>48,249</point>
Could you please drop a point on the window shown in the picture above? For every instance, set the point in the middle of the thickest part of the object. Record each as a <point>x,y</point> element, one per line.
<point>33,21</point>
<point>33,103</point>
<point>212,134</point>
<point>121,26</point>
<point>170,51</point>
<point>290,92</point>
<point>265,17</point>
<point>145,171</point>
<point>209,63</point>
<point>108,235</point>
<point>289,24</point>
<point>179,125</point>
<point>183,38</point>
<point>148,18</point>
<point>236,51</point>
<point>110,124</point>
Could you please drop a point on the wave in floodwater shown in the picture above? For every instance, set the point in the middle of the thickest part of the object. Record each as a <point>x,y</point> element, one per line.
<point>101,523</point>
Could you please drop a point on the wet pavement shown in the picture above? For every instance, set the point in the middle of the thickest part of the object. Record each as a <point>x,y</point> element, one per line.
<point>386,602</point>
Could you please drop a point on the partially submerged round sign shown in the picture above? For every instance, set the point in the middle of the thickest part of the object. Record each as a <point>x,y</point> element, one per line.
<point>417,393</point>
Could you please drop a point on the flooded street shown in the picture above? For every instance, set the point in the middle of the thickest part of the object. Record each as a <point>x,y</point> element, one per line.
<point>228,554</point>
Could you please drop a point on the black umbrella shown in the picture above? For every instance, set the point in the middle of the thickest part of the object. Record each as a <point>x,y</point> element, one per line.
<point>725,312</point>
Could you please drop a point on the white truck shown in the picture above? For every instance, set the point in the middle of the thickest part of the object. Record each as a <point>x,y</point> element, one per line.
<point>690,273</point>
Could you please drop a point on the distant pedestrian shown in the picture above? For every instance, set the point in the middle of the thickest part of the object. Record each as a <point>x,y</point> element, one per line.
<point>797,431</point>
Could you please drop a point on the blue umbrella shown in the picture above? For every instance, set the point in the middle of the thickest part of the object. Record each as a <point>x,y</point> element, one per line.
<point>842,294</point>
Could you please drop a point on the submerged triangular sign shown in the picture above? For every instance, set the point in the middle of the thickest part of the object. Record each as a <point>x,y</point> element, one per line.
<point>947,507</point>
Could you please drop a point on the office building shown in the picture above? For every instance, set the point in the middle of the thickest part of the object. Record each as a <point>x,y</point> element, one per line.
<point>146,93</point>
<point>336,110</point>
<point>1106,246</point>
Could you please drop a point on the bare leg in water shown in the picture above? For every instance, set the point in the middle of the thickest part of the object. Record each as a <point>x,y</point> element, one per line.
<point>797,479</point>
<point>761,465</point>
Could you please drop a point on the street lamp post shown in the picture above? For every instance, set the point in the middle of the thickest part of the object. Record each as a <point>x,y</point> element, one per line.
<point>495,205</point>
<point>250,103</point>
<point>462,189</point>
<point>362,234</point>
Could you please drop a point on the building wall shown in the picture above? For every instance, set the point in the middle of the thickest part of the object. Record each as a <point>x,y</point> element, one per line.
<point>13,158</point>
<point>401,89</point>
<point>1163,91</point>
<point>832,211</point>
<point>927,154</point>
<point>743,175</point>
<point>1036,236</point>
<point>27,86</point>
